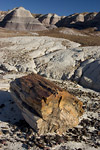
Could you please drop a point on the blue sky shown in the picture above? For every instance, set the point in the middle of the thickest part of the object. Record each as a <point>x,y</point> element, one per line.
<point>60,7</point>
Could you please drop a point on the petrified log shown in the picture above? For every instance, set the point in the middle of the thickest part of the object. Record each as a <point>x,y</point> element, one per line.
<point>45,106</point>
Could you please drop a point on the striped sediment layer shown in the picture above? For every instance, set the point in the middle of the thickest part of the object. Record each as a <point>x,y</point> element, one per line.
<point>21,19</point>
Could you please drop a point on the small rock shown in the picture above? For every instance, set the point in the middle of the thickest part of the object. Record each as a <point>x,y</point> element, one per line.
<point>2,105</point>
<point>79,149</point>
<point>30,132</point>
<point>25,129</point>
<point>3,142</point>
<point>5,132</point>
<point>98,132</point>
<point>46,148</point>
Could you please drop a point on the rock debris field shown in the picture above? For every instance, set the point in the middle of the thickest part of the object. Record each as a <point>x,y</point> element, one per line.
<point>67,64</point>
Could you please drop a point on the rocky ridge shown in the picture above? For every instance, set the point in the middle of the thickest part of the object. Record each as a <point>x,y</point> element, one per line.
<point>80,20</point>
<point>27,21</point>
<point>77,20</point>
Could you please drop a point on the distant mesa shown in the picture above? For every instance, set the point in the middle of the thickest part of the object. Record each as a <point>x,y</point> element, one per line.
<point>22,20</point>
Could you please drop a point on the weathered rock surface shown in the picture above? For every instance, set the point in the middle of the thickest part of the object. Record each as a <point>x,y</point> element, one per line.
<point>16,49</point>
<point>49,19</point>
<point>51,57</point>
<point>63,63</point>
<point>71,20</point>
<point>2,14</point>
<point>59,65</point>
<point>21,19</point>
<point>90,16</point>
<point>80,20</point>
<point>77,20</point>
<point>88,74</point>
<point>70,31</point>
<point>46,107</point>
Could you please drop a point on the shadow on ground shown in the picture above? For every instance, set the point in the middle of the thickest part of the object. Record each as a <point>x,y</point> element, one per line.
<point>9,112</point>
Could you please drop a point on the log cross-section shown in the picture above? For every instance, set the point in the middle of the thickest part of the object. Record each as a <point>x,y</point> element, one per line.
<point>45,106</point>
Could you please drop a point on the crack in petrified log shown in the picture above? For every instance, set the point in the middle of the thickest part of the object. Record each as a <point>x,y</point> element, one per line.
<point>45,106</point>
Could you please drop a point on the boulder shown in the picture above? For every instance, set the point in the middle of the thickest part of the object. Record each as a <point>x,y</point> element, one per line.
<point>21,19</point>
<point>45,106</point>
<point>88,74</point>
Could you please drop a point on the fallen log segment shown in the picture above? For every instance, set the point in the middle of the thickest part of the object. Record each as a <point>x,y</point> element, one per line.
<point>45,106</point>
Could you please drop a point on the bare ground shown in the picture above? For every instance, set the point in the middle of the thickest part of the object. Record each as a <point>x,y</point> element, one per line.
<point>92,37</point>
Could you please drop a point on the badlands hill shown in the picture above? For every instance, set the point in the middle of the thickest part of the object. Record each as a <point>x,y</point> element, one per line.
<point>77,20</point>
<point>21,19</point>
<point>49,19</point>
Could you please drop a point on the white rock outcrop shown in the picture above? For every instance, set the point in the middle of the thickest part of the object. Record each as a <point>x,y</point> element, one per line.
<point>88,74</point>
<point>51,57</point>
<point>21,51</point>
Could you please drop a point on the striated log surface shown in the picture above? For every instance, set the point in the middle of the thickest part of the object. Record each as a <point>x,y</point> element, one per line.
<point>45,106</point>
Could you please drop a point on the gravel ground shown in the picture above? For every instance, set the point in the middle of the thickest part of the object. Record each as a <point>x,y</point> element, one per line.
<point>16,134</point>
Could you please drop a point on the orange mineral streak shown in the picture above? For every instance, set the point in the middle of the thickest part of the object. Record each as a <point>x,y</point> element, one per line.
<point>62,101</point>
